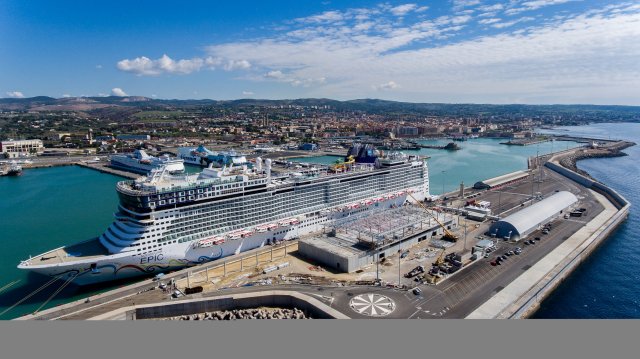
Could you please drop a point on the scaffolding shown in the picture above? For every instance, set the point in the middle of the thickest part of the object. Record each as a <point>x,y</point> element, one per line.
<point>379,227</point>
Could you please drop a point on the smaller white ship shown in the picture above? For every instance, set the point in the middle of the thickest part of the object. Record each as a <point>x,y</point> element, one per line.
<point>140,162</point>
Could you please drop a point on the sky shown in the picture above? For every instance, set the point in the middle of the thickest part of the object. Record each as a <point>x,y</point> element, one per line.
<point>451,51</point>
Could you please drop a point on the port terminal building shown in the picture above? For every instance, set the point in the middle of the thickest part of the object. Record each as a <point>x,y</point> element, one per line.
<point>356,241</point>
<point>501,180</point>
<point>527,220</point>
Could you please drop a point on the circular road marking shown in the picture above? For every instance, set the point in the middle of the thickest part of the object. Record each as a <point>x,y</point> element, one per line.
<point>372,305</point>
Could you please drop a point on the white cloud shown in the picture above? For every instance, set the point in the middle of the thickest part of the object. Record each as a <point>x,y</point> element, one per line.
<point>275,74</point>
<point>66,95</point>
<point>327,16</point>
<point>402,10</point>
<point>460,19</point>
<point>232,65</point>
<point>489,21</point>
<point>534,5</point>
<point>247,93</point>
<point>460,4</point>
<point>144,66</point>
<point>117,91</point>
<point>386,86</point>
<point>14,94</point>
<point>494,7</point>
<point>98,66</point>
<point>502,25</point>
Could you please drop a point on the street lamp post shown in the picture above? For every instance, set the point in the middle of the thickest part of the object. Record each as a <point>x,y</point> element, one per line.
<point>465,233</point>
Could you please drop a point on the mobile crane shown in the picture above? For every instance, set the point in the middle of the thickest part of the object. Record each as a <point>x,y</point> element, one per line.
<point>448,236</point>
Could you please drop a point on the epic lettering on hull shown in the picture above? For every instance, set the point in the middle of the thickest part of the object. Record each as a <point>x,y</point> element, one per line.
<point>152,258</point>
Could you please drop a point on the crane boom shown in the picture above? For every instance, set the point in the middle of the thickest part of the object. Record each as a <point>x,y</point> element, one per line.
<point>448,235</point>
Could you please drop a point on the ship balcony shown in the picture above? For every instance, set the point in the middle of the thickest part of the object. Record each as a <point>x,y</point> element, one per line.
<point>127,228</point>
<point>133,221</point>
<point>122,236</point>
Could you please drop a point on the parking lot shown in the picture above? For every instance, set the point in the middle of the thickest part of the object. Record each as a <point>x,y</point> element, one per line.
<point>474,284</point>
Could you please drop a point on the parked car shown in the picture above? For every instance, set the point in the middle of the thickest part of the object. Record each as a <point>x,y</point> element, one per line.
<point>417,291</point>
<point>504,258</point>
<point>404,254</point>
<point>537,238</point>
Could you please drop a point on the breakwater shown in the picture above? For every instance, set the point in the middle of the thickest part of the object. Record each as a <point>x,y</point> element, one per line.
<point>570,159</point>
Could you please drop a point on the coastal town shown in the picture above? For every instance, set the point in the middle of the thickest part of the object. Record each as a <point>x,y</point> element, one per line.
<point>89,126</point>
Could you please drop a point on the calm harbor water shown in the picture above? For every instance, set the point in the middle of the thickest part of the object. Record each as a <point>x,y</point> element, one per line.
<point>45,209</point>
<point>479,159</point>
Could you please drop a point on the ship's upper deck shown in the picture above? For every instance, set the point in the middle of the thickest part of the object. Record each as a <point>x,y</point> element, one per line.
<point>235,179</point>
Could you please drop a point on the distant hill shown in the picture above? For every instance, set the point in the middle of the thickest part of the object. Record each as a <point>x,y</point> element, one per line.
<point>122,107</point>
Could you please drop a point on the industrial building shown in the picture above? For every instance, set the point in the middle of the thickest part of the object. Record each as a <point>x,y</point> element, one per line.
<point>356,241</point>
<point>501,180</point>
<point>527,220</point>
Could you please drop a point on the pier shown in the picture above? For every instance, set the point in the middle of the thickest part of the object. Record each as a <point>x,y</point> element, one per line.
<point>105,168</point>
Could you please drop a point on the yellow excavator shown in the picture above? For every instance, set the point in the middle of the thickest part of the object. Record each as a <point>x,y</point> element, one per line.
<point>440,260</point>
<point>448,236</point>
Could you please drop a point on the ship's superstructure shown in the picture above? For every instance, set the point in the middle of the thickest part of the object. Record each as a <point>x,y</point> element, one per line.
<point>140,162</point>
<point>166,221</point>
<point>204,157</point>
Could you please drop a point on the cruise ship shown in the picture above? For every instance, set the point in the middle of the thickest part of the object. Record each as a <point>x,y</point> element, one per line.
<point>202,156</point>
<point>169,221</point>
<point>140,162</point>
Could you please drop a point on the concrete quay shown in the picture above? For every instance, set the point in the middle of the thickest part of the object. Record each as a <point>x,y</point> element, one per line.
<point>523,296</point>
<point>105,168</point>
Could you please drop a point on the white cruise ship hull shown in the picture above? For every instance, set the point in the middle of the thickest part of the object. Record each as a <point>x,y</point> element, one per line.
<point>181,255</point>
<point>133,165</point>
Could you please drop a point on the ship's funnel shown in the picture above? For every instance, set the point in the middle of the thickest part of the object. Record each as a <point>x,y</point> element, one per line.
<point>258,164</point>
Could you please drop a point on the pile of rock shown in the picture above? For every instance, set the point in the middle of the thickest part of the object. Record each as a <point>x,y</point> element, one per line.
<point>255,313</point>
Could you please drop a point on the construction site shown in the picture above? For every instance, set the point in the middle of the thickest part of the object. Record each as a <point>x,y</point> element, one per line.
<point>355,242</point>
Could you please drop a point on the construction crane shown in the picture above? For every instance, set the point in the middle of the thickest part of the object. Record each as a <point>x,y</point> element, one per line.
<point>448,236</point>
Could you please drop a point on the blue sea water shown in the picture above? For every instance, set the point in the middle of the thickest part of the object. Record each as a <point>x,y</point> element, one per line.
<point>607,284</point>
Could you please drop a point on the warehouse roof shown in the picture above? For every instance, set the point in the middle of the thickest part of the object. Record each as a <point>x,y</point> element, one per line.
<point>530,217</point>
<point>496,181</point>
